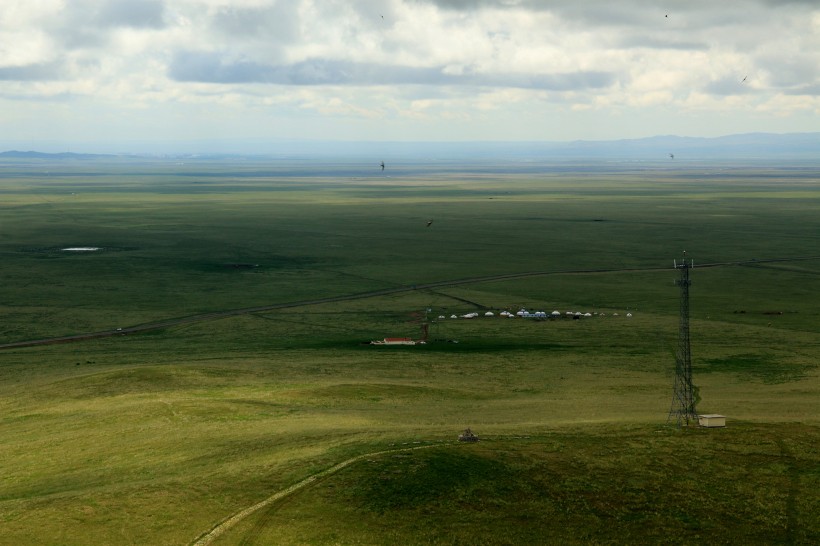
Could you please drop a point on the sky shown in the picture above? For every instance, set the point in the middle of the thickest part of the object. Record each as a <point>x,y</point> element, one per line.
<point>120,75</point>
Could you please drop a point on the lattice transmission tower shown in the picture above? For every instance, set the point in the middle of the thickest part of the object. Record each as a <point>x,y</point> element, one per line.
<point>684,398</point>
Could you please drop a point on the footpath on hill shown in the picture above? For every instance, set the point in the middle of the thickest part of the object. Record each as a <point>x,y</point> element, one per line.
<point>224,525</point>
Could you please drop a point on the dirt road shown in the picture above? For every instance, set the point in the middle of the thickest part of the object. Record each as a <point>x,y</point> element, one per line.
<point>216,315</point>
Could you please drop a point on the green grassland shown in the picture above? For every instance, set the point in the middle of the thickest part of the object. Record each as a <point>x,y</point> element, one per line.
<point>155,438</point>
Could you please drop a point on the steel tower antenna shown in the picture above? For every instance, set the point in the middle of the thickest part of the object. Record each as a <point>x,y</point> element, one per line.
<point>684,399</point>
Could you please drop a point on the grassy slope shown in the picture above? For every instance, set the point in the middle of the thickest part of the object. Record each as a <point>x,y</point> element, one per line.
<point>748,484</point>
<point>154,438</point>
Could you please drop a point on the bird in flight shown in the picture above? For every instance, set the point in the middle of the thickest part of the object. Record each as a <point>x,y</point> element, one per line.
<point>672,156</point>
<point>429,223</point>
<point>744,79</point>
<point>382,165</point>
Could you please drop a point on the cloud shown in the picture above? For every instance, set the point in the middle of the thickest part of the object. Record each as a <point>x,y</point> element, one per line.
<point>32,72</point>
<point>727,86</point>
<point>131,13</point>
<point>88,24</point>
<point>662,42</point>
<point>278,23</point>
<point>213,68</point>
<point>812,90</point>
<point>430,60</point>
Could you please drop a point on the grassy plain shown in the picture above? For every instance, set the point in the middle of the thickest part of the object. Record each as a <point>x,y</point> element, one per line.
<point>155,438</point>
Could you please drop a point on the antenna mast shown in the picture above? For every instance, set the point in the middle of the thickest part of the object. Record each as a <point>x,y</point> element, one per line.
<point>684,398</point>
<point>425,326</point>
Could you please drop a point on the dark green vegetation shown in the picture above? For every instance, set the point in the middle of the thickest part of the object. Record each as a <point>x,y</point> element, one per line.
<point>154,438</point>
<point>746,484</point>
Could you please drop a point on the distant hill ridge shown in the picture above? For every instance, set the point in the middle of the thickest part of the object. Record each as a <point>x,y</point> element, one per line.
<point>738,146</point>
<point>43,155</point>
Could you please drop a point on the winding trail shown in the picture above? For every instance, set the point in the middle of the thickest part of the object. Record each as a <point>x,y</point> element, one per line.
<point>216,315</point>
<point>224,525</point>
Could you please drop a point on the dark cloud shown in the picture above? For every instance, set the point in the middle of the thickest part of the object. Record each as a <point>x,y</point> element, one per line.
<point>32,72</point>
<point>478,4</point>
<point>664,42</point>
<point>729,85</point>
<point>811,90</point>
<point>791,72</point>
<point>643,14</point>
<point>87,24</point>
<point>132,13</point>
<point>212,68</point>
<point>277,23</point>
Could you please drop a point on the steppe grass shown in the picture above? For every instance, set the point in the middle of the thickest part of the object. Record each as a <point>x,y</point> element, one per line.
<point>752,484</point>
<point>211,237</point>
<point>155,438</point>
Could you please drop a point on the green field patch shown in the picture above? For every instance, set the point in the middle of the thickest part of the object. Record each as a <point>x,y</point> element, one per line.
<point>754,366</point>
<point>387,393</point>
<point>136,380</point>
<point>153,438</point>
<point>438,477</point>
<point>605,486</point>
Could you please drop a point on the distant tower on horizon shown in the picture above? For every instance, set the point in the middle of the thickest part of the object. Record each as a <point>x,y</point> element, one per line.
<point>684,399</point>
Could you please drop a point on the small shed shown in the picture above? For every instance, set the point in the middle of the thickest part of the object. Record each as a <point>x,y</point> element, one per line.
<point>712,420</point>
<point>467,436</point>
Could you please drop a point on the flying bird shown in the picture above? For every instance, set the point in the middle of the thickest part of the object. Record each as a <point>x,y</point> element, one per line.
<point>672,156</point>
<point>429,223</point>
<point>744,79</point>
<point>382,165</point>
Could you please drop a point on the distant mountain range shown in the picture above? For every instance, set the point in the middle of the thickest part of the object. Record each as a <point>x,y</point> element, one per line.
<point>14,154</point>
<point>743,145</point>
<point>749,146</point>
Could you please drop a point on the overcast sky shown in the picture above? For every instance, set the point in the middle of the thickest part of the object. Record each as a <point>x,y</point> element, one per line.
<point>128,71</point>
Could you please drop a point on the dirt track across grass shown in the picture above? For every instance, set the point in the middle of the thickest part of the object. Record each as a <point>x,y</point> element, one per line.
<point>210,535</point>
<point>216,315</point>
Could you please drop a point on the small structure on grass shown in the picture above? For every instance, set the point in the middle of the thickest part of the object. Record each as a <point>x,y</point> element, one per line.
<point>712,420</point>
<point>467,436</point>
<point>394,341</point>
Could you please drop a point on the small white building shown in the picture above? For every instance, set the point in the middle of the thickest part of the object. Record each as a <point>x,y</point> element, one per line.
<point>712,420</point>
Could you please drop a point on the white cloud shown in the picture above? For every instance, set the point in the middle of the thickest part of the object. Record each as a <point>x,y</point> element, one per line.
<point>419,64</point>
